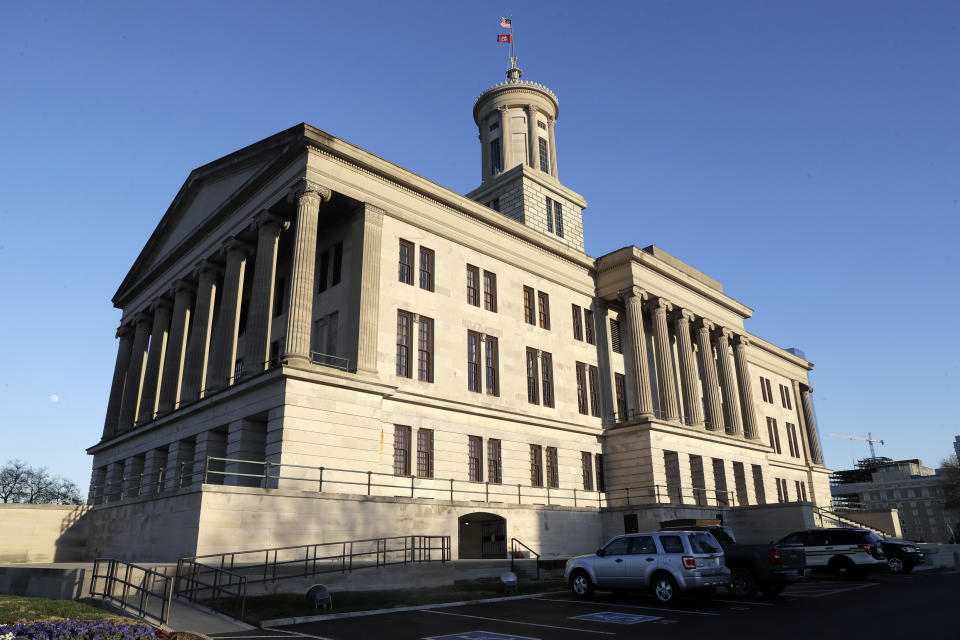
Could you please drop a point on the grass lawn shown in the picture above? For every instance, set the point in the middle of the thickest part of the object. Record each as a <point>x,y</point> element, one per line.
<point>24,609</point>
<point>292,604</point>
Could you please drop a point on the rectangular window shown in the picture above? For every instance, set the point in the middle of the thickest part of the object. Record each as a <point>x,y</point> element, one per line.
<point>529,315</point>
<point>615,343</point>
<point>473,361</point>
<point>473,285</point>
<point>758,485</point>
<point>577,324</point>
<point>336,272</point>
<point>774,434</point>
<point>558,218</point>
<point>797,485</point>
<point>803,491</point>
<point>426,268</point>
<point>586,464</point>
<point>541,125</point>
<point>594,380</point>
<point>779,490</point>
<point>401,450</point>
<point>242,320</point>
<point>405,272</point>
<point>588,326</point>
<point>333,331</point>
<point>404,335</point>
<point>536,465</point>
<point>792,440</point>
<point>544,306</point>
<point>323,273</point>
<point>582,388</point>
<point>496,162</point>
<point>553,468</point>
<point>620,382</point>
<point>490,291</point>
<point>546,368</point>
<point>769,391</point>
<point>278,299</point>
<point>425,453</point>
<point>493,462</point>
<point>763,389</point>
<point>425,350</point>
<point>550,215</point>
<point>544,158</point>
<point>601,481</point>
<point>237,369</point>
<point>474,455</point>
<point>533,392</point>
<point>492,362</point>
<point>274,353</point>
<point>785,397</point>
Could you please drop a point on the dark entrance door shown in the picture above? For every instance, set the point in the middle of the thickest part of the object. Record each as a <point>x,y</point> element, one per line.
<point>482,535</point>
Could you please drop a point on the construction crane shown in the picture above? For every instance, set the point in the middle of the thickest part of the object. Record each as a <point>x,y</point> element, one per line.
<point>869,439</point>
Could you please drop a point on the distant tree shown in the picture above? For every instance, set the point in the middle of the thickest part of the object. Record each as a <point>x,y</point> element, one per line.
<point>20,482</point>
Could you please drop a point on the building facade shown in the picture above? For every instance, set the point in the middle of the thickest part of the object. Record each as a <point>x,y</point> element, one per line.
<point>314,330</point>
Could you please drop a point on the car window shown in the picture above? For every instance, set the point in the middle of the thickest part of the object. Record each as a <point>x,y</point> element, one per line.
<point>723,534</point>
<point>671,544</point>
<point>844,537</point>
<point>793,538</point>
<point>817,539</point>
<point>643,545</point>
<point>703,543</point>
<point>618,547</point>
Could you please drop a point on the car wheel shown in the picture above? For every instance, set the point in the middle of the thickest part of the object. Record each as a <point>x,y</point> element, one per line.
<point>773,590</point>
<point>896,565</point>
<point>742,584</point>
<point>907,567</point>
<point>665,589</point>
<point>581,585</point>
<point>842,568</point>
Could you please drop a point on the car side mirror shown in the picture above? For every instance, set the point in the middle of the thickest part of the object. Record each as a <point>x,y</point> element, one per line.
<point>601,553</point>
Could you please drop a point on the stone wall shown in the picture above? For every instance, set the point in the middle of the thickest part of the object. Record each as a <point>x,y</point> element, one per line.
<point>43,533</point>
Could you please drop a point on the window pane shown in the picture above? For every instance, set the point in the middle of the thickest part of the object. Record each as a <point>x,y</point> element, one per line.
<point>594,380</point>
<point>586,462</point>
<point>492,366</point>
<point>528,311</point>
<point>404,320</point>
<point>536,466</point>
<point>558,217</point>
<point>544,158</point>
<point>473,361</point>
<point>473,285</point>
<point>615,336</point>
<point>474,449</point>
<point>425,453</point>
<point>620,382</point>
<point>553,472</point>
<point>533,394</point>
<point>406,262</point>
<point>549,215</point>
<point>546,362</point>
<point>426,269</point>
<point>401,451</point>
<point>489,291</point>
<point>425,350</point>
<point>493,461</point>
<point>582,388</point>
<point>588,326</point>
<point>577,324</point>
<point>544,301</point>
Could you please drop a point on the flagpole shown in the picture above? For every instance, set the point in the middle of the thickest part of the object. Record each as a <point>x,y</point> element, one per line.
<point>513,53</point>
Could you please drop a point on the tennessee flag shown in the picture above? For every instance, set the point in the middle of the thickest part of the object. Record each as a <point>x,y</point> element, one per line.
<point>505,37</point>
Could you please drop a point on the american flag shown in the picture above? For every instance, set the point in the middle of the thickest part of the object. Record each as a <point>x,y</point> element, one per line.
<point>506,23</point>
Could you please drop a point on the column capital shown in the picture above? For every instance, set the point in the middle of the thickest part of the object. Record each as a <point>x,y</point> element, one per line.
<point>207,270</point>
<point>183,287</point>
<point>309,188</point>
<point>502,108</point>
<point>267,220</point>
<point>805,388</point>
<point>235,245</point>
<point>740,340</point>
<point>160,304</point>
<point>143,318</point>
<point>721,333</point>
<point>659,304</point>
<point>702,324</point>
<point>124,330</point>
<point>632,292</point>
<point>680,314</point>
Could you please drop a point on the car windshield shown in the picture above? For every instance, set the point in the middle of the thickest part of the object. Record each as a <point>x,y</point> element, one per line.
<point>703,543</point>
<point>724,534</point>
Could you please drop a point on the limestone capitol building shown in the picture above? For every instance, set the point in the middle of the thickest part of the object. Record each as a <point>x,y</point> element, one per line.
<point>319,345</point>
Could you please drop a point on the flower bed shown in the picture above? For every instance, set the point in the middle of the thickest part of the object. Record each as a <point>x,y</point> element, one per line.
<point>81,630</point>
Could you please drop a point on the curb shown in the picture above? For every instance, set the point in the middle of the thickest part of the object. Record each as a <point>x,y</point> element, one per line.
<point>283,622</point>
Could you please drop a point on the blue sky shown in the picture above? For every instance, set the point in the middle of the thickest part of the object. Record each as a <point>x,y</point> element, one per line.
<point>805,154</point>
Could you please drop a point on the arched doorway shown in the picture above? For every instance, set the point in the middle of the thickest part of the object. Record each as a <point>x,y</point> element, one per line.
<point>482,535</point>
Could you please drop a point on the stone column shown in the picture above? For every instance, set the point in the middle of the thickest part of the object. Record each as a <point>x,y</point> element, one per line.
<point>300,312</point>
<point>532,136</point>
<point>209,444</point>
<point>505,138</point>
<point>133,470</point>
<point>664,358</point>
<point>246,440</point>
<point>180,455</point>
<point>551,125</point>
<point>484,151</point>
<point>198,345</point>
<point>643,402</point>
<point>728,383</point>
<point>813,438</point>
<point>711,390</point>
<point>260,317</point>
<point>225,338</point>
<point>687,493</point>
<point>124,351</point>
<point>158,350</point>
<point>688,368</point>
<point>113,489</point>
<point>740,344</point>
<point>131,389</point>
<point>184,294</point>
<point>154,471</point>
<point>98,481</point>
<point>369,289</point>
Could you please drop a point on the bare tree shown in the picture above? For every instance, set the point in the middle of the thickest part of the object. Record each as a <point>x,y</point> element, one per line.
<point>20,482</point>
<point>13,479</point>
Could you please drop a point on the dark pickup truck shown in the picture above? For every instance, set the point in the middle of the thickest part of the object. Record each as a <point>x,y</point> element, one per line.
<point>754,567</point>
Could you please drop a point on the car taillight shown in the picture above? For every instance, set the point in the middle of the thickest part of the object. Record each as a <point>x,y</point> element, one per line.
<point>866,547</point>
<point>689,562</point>
<point>775,557</point>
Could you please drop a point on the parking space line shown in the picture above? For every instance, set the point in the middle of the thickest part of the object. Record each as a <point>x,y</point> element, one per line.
<point>297,633</point>
<point>632,606</point>
<point>529,624</point>
<point>835,591</point>
<point>759,604</point>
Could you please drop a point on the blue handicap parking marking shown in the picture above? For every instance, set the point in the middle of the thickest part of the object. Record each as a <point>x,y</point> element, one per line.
<point>615,617</point>
<point>480,635</point>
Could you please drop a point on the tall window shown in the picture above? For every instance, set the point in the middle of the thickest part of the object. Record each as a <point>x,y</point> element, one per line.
<point>774,434</point>
<point>426,268</point>
<point>401,450</point>
<point>549,214</point>
<point>490,291</point>
<point>473,285</point>
<point>278,297</point>
<point>405,272</point>
<point>558,217</point>
<point>536,465</point>
<point>766,390</point>
<point>594,380</point>
<point>425,453</point>
<point>586,463</point>
<point>582,388</point>
<point>546,370</point>
<point>620,385</point>
<point>785,397</point>
<point>529,315</point>
<point>544,158</point>
<point>553,468</point>
<point>492,362</point>
<point>474,456</point>
<point>543,301</point>
<point>758,490</point>
<point>425,350</point>
<point>237,369</point>
<point>601,480</point>
<point>577,323</point>
<point>493,462</point>
<point>615,343</point>
<point>323,274</point>
<point>588,326</point>
<point>336,272</point>
<point>496,162</point>
<point>473,361</point>
<point>533,392</point>
<point>792,441</point>
<point>404,333</point>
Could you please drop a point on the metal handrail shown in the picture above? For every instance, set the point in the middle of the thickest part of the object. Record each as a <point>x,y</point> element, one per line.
<point>513,553</point>
<point>822,513</point>
<point>134,594</point>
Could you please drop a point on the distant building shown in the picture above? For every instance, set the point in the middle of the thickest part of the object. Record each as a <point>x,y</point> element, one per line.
<point>956,446</point>
<point>907,485</point>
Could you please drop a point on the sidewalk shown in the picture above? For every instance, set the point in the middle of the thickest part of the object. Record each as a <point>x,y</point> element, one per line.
<point>184,617</point>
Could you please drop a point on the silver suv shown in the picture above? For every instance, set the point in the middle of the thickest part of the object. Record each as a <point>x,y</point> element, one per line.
<point>667,563</point>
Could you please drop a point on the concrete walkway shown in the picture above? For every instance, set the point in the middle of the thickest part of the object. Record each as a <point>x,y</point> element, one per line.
<point>184,617</point>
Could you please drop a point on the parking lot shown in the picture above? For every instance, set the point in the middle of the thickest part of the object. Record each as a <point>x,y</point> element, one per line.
<point>887,604</point>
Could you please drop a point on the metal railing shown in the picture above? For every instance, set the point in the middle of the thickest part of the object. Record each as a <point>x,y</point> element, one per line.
<point>144,484</point>
<point>135,589</point>
<point>836,520</point>
<point>328,360</point>
<point>515,553</point>
<point>220,580</point>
